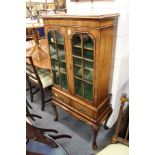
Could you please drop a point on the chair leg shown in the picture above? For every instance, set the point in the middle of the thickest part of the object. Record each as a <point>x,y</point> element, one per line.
<point>60,136</point>
<point>28,114</point>
<point>42,99</point>
<point>27,103</point>
<point>30,88</point>
<point>55,111</point>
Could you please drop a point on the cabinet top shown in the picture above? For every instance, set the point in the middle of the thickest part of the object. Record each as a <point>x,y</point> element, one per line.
<point>81,16</point>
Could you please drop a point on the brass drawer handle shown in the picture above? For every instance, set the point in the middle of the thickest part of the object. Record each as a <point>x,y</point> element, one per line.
<point>82,110</point>
<point>61,98</point>
<point>66,109</point>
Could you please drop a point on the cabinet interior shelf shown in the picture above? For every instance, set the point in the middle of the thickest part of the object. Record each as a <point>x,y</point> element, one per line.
<point>75,56</point>
<point>91,69</point>
<point>78,46</point>
<point>87,48</point>
<point>61,53</point>
<point>82,79</point>
<point>60,43</point>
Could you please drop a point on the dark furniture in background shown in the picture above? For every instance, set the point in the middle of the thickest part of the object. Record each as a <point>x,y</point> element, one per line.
<point>40,78</point>
<point>28,114</point>
<point>82,53</point>
<point>120,141</point>
<point>29,34</point>
<point>37,143</point>
<point>122,128</point>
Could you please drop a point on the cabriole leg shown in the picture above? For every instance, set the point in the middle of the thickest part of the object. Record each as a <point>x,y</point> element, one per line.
<point>107,118</point>
<point>95,132</point>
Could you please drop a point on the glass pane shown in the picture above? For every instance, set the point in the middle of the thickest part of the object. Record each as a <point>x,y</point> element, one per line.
<point>78,86</point>
<point>77,61</point>
<point>88,54</point>
<point>59,37</point>
<point>61,56</point>
<point>88,75</point>
<point>87,41</point>
<point>56,77</point>
<point>76,41</point>
<point>88,91</point>
<point>77,51</point>
<point>64,81</point>
<point>60,48</point>
<point>78,71</point>
<point>52,48</point>
<point>51,37</point>
<point>88,64</point>
<point>55,65</point>
<point>54,57</point>
<point>62,67</point>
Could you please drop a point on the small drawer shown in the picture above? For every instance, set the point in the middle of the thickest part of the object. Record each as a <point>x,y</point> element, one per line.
<point>61,97</point>
<point>82,109</point>
<point>73,104</point>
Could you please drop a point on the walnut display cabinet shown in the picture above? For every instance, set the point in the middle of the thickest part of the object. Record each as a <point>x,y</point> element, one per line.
<point>81,52</point>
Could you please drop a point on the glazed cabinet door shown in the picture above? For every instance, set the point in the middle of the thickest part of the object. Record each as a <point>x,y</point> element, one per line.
<point>82,45</point>
<point>57,49</point>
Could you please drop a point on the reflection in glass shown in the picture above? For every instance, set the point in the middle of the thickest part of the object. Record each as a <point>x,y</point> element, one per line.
<point>87,41</point>
<point>77,61</point>
<point>88,75</point>
<point>61,56</point>
<point>51,37</point>
<point>57,52</point>
<point>56,77</point>
<point>78,71</point>
<point>62,67</point>
<point>60,48</point>
<point>88,64</point>
<point>55,65</point>
<point>64,80</point>
<point>83,56</point>
<point>54,57</point>
<point>53,53</point>
<point>88,91</point>
<point>77,51</point>
<point>52,48</point>
<point>78,86</point>
<point>88,54</point>
<point>59,37</point>
<point>76,40</point>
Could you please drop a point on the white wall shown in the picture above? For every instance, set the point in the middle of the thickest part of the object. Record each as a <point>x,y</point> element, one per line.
<point>120,82</point>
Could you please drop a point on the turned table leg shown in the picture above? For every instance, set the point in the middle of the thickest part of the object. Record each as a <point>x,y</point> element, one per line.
<point>95,132</point>
<point>55,111</point>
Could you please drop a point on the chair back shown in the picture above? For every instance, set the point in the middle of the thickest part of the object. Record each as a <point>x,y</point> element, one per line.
<point>36,37</point>
<point>29,34</point>
<point>122,125</point>
<point>31,72</point>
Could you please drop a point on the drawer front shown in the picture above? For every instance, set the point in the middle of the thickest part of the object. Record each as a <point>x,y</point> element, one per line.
<point>73,104</point>
<point>82,109</point>
<point>61,97</point>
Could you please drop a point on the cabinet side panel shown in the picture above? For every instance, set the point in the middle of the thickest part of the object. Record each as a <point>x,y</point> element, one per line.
<point>46,37</point>
<point>106,62</point>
